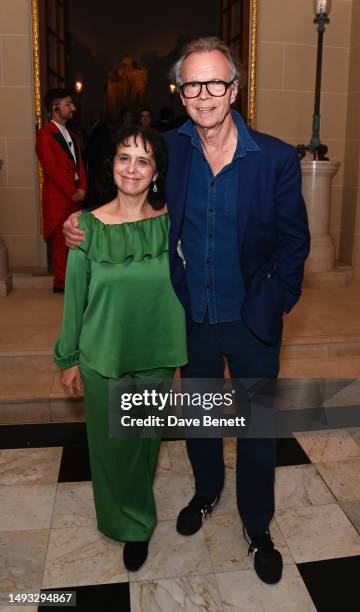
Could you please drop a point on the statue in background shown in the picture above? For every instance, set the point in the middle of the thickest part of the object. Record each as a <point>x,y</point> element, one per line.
<point>139,85</point>
<point>125,87</point>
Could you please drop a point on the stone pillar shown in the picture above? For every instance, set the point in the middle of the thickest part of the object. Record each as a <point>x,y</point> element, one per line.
<point>5,277</point>
<point>316,189</point>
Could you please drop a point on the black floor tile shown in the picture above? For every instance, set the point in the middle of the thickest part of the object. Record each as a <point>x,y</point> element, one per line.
<point>333,584</point>
<point>289,452</point>
<point>75,465</point>
<point>40,435</point>
<point>99,598</point>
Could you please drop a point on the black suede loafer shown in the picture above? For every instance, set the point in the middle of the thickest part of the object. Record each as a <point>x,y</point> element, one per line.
<point>191,517</point>
<point>268,563</point>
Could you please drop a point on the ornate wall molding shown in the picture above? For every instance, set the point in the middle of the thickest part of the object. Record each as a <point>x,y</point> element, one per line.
<point>36,60</point>
<point>35,41</point>
<point>253,35</point>
<point>239,30</point>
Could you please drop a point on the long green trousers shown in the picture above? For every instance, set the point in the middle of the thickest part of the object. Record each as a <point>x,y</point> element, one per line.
<point>122,469</point>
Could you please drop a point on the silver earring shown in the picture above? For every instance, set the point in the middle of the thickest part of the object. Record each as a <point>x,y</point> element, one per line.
<point>154,187</point>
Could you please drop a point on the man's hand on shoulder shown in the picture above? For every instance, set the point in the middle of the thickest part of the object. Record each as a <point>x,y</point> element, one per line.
<point>73,235</point>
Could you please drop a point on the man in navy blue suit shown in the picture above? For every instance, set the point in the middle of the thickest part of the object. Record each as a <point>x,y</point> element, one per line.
<point>234,197</point>
<point>235,201</point>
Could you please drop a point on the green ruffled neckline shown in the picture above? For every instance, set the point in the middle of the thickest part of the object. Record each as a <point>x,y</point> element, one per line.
<point>114,243</point>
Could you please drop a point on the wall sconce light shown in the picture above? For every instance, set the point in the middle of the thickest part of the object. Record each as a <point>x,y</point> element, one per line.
<point>172,92</point>
<point>79,86</point>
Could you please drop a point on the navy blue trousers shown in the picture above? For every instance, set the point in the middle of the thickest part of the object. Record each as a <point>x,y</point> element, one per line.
<point>247,357</point>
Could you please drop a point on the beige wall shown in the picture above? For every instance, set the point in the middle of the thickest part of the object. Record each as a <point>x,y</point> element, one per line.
<point>19,224</point>
<point>286,78</point>
<point>286,75</point>
<point>350,235</point>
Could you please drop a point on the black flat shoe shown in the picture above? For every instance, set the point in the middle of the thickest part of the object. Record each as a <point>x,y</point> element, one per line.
<point>134,555</point>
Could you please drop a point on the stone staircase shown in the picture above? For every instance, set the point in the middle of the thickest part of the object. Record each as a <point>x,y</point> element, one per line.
<point>320,347</point>
<point>31,278</point>
<point>30,390</point>
<point>321,339</point>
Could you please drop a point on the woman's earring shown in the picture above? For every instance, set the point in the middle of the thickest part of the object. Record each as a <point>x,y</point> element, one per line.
<point>154,187</point>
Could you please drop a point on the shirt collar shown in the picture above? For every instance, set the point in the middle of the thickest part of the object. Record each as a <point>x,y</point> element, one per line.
<point>245,142</point>
<point>62,128</point>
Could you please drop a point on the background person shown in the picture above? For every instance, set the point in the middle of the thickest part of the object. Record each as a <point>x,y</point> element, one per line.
<point>64,184</point>
<point>98,150</point>
<point>145,118</point>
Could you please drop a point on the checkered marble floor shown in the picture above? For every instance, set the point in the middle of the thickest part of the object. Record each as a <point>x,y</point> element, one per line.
<point>49,539</point>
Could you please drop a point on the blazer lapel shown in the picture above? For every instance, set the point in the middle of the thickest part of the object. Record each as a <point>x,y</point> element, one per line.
<point>62,142</point>
<point>76,148</point>
<point>246,191</point>
<point>177,185</point>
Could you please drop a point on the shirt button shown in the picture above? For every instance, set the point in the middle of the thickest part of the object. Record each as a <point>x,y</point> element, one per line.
<point>211,236</point>
<point>208,260</point>
<point>208,286</point>
<point>211,210</point>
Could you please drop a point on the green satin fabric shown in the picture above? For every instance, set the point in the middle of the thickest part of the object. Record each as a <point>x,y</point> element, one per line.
<point>121,313</point>
<point>121,317</point>
<point>122,469</point>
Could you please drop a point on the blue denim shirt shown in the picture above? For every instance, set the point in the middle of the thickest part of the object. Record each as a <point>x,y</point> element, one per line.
<point>209,237</point>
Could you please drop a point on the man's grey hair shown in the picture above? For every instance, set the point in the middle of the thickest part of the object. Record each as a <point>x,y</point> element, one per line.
<point>206,44</point>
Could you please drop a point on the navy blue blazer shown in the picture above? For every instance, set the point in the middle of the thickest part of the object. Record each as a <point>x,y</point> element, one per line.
<point>273,229</point>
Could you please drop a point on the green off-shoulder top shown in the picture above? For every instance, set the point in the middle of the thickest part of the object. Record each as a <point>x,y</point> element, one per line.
<point>121,313</point>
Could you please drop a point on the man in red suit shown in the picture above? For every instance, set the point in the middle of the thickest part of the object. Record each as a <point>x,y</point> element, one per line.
<point>64,183</point>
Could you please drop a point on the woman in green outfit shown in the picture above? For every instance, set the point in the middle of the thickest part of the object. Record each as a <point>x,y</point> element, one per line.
<point>122,318</point>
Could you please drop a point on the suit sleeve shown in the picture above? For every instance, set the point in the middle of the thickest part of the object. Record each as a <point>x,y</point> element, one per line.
<point>66,351</point>
<point>292,230</point>
<point>50,167</point>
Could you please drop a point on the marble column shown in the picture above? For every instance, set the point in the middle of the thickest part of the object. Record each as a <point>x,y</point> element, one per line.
<point>316,189</point>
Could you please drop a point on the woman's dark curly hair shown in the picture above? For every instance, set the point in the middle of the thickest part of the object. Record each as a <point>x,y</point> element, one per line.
<point>151,141</point>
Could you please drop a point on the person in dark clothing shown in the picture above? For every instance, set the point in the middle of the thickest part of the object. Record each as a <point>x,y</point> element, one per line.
<point>98,150</point>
